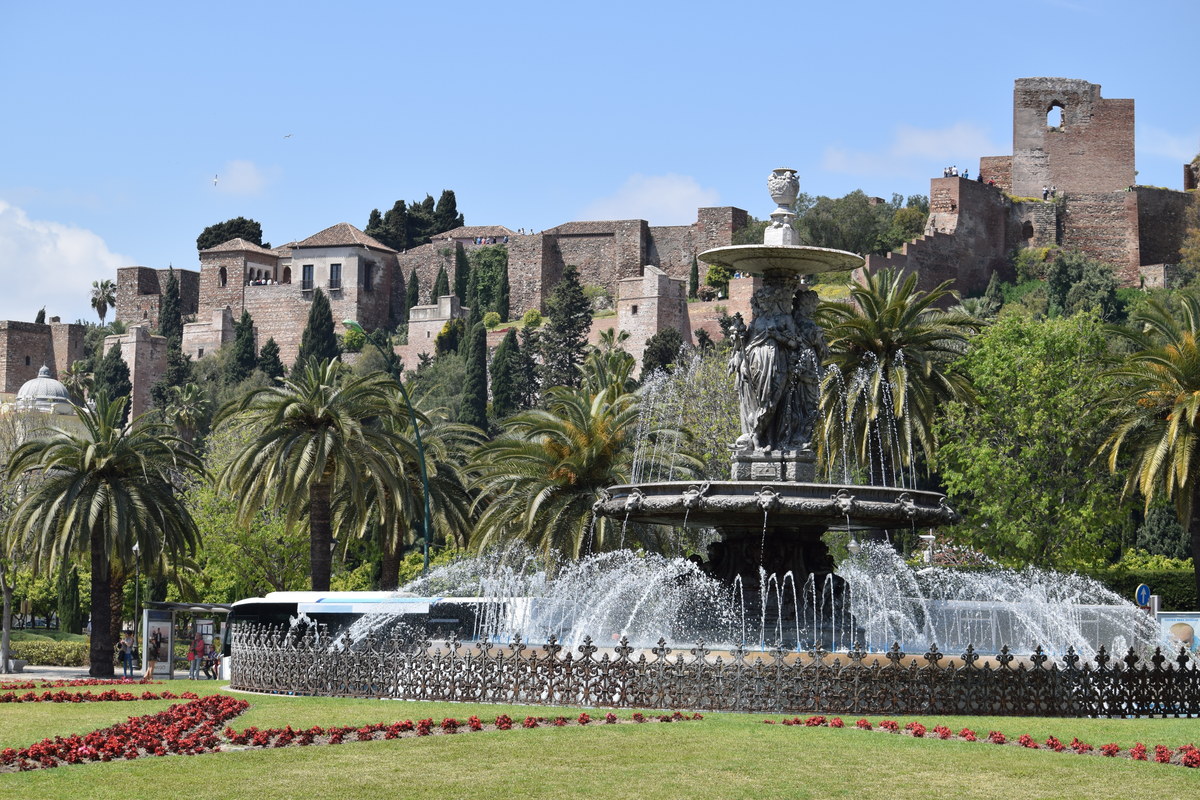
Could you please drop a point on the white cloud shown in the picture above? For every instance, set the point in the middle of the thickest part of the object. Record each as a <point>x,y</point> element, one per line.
<point>242,178</point>
<point>1157,142</point>
<point>912,150</point>
<point>50,264</point>
<point>658,199</point>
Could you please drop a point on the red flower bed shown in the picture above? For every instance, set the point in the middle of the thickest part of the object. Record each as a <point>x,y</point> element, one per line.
<point>1188,755</point>
<point>64,683</point>
<point>184,728</point>
<point>88,697</point>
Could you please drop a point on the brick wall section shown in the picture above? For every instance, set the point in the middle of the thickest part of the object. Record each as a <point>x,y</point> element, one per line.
<point>1090,153</point>
<point>534,266</point>
<point>997,169</point>
<point>24,347</point>
<point>139,293</point>
<point>1103,226</point>
<point>649,304</point>
<point>1033,224</point>
<point>67,345</point>
<point>146,356</point>
<point>203,338</point>
<point>1162,223</point>
<point>424,324</point>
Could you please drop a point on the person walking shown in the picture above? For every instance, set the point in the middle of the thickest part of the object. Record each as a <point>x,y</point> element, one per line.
<point>195,657</point>
<point>153,654</point>
<point>126,645</point>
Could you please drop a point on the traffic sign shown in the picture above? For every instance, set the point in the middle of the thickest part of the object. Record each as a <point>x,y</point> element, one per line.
<point>1142,595</point>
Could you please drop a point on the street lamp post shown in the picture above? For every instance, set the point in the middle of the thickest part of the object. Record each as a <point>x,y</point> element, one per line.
<point>412,414</point>
<point>137,585</point>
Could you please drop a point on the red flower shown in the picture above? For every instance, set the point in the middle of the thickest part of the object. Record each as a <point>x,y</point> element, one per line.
<point>996,737</point>
<point>1110,749</point>
<point>1026,740</point>
<point>610,718</point>
<point>863,724</point>
<point>916,729</point>
<point>968,735</point>
<point>890,725</point>
<point>1138,752</point>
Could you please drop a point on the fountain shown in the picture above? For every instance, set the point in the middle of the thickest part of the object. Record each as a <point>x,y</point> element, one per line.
<point>771,515</point>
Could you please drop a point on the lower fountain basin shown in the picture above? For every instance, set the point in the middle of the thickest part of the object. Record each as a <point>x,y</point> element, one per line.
<point>741,504</point>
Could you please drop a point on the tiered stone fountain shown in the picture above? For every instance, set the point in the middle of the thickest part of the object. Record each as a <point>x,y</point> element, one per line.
<point>771,514</point>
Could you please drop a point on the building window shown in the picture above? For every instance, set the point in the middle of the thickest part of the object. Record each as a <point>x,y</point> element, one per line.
<point>199,352</point>
<point>426,334</point>
<point>335,276</point>
<point>633,310</point>
<point>306,278</point>
<point>222,277</point>
<point>1054,116</point>
<point>368,276</point>
<point>27,362</point>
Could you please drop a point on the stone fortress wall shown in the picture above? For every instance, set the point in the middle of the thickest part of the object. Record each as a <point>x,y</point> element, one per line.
<point>1096,208</point>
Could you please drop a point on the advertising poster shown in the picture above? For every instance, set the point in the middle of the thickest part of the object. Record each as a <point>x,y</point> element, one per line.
<point>1180,629</point>
<point>157,643</point>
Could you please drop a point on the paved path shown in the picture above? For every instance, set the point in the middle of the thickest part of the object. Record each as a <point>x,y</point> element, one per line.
<point>32,673</point>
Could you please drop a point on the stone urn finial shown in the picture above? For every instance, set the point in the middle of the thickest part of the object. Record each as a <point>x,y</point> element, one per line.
<point>784,186</point>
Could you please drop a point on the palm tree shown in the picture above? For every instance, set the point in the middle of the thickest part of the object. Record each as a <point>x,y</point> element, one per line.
<point>1156,411</point>
<point>891,357</point>
<point>103,491</point>
<point>104,297</point>
<point>539,480</point>
<point>395,518</point>
<point>187,410</point>
<point>320,429</point>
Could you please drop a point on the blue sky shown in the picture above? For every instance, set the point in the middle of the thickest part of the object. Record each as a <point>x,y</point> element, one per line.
<point>117,117</point>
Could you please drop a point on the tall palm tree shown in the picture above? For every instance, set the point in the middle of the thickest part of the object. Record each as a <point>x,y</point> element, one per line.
<point>539,480</point>
<point>187,410</point>
<point>395,518</point>
<point>104,297</point>
<point>890,367</point>
<point>1156,411</point>
<point>102,491</point>
<point>319,429</point>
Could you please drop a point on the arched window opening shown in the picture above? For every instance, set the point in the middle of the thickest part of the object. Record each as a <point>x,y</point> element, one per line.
<point>287,274</point>
<point>1054,117</point>
<point>1027,230</point>
<point>222,277</point>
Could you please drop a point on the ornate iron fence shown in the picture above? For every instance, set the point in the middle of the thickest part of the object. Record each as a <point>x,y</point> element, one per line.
<point>275,660</point>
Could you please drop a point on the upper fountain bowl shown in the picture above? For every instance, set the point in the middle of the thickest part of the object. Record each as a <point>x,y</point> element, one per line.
<point>758,259</point>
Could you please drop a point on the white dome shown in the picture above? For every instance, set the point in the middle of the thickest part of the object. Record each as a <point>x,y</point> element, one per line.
<point>43,393</point>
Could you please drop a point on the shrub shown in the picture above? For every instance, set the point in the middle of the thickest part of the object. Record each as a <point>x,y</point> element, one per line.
<point>532,318</point>
<point>491,319</point>
<point>52,654</point>
<point>353,341</point>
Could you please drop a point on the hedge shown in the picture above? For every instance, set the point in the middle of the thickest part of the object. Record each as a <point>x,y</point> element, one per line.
<point>52,654</point>
<point>1176,587</point>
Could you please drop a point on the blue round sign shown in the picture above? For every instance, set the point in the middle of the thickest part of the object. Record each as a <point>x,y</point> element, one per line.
<point>1142,595</point>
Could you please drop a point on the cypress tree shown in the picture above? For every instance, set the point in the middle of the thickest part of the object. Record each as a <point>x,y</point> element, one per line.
<point>394,230</point>
<point>40,319</point>
<point>70,618</point>
<point>662,350</point>
<point>445,214</point>
<point>505,365</point>
<point>462,271</point>
<point>564,342</point>
<point>268,360</point>
<point>694,278</point>
<point>179,372</point>
<point>170,318</point>
<point>412,294</point>
<point>441,286</point>
<point>374,227</point>
<point>242,361</point>
<point>473,410</point>
<point>319,343</point>
<point>112,377</point>
<point>502,295</point>
<point>528,381</point>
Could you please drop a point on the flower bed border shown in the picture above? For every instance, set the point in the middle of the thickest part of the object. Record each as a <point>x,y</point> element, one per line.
<point>1187,755</point>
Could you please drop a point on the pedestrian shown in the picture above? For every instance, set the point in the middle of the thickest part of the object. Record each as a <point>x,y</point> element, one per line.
<point>195,657</point>
<point>126,644</point>
<point>153,654</point>
<point>1045,192</point>
<point>966,174</point>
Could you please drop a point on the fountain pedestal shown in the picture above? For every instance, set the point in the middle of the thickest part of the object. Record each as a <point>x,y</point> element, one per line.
<point>775,465</point>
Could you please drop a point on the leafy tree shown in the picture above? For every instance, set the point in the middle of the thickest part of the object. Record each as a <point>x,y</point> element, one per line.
<point>662,351</point>
<point>390,229</point>
<point>489,279</point>
<point>694,278</point>
<point>179,372</point>
<point>505,366</point>
<point>1075,282</point>
<point>103,490</point>
<point>236,228</point>
<point>718,277</point>
<point>462,272</point>
<point>475,396</point>
<point>112,377</point>
<point>439,384</point>
<point>699,392</point>
<point>1155,403</point>
<point>316,430</point>
<point>445,214</point>
<point>609,366</point>
<point>450,337</point>
<point>70,615</point>
<point>104,297</point>
<point>563,345</point>
<point>412,293</point>
<point>268,359</point>
<point>40,319</point>
<point>170,317</point>
<point>851,223</point>
<point>319,342</point>
<point>242,359</point>
<point>441,286</point>
<point>540,479</point>
<point>1018,462</point>
<point>892,353</point>
<point>1161,534</point>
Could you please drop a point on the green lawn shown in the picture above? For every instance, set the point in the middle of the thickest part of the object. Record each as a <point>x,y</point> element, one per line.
<point>723,756</point>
